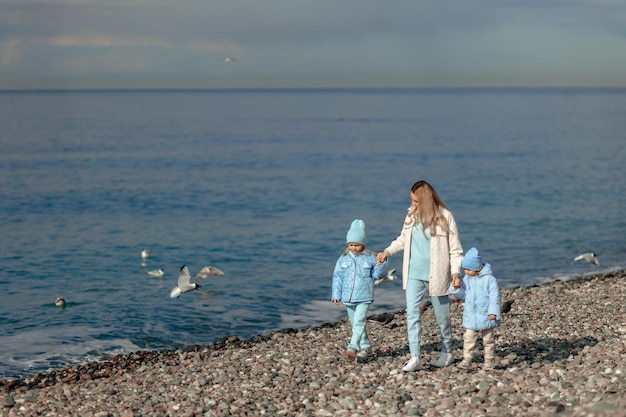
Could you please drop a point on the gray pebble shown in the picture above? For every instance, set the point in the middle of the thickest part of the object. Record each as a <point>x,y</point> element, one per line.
<point>8,401</point>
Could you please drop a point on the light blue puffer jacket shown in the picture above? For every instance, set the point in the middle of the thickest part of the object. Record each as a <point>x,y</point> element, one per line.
<point>482,298</point>
<point>353,277</point>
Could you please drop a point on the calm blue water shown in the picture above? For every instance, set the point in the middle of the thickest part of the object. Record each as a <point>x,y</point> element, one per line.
<point>263,185</point>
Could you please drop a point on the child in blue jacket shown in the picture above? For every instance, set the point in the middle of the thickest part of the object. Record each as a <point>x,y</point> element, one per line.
<point>481,313</point>
<point>353,285</point>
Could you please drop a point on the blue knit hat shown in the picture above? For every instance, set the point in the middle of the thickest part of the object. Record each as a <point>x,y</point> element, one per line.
<point>472,260</point>
<point>356,234</point>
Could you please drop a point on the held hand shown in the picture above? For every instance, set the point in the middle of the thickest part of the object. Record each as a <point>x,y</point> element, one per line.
<point>456,282</point>
<point>382,257</point>
<point>492,317</point>
<point>336,302</point>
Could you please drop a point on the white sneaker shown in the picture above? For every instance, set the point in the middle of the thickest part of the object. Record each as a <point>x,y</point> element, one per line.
<point>412,364</point>
<point>445,359</point>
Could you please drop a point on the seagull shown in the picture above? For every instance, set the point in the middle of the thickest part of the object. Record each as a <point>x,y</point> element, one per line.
<point>229,59</point>
<point>157,273</point>
<point>506,306</point>
<point>60,302</point>
<point>145,253</point>
<point>589,257</point>
<point>183,283</point>
<point>389,277</point>
<point>207,271</point>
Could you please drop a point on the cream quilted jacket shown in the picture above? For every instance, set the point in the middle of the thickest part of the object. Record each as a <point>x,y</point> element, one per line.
<point>446,254</point>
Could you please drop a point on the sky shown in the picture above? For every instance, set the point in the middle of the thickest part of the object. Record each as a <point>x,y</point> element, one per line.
<point>311,43</point>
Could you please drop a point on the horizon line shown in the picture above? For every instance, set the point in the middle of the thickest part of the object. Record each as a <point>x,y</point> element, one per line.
<point>180,89</point>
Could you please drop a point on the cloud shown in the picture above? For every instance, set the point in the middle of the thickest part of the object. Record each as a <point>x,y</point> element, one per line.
<point>97,41</point>
<point>313,37</point>
<point>9,53</point>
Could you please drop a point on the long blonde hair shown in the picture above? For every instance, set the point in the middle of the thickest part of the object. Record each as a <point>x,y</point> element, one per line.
<point>427,212</point>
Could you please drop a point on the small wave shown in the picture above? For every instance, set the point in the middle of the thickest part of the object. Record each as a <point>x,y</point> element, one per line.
<point>387,298</point>
<point>23,355</point>
<point>567,276</point>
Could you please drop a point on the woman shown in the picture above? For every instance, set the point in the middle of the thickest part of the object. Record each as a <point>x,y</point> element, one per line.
<point>432,253</point>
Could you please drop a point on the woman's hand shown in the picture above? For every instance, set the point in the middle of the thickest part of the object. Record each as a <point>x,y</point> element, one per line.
<point>492,317</point>
<point>456,282</point>
<point>336,302</point>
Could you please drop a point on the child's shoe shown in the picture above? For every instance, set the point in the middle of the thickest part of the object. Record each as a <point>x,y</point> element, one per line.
<point>351,355</point>
<point>365,353</point>
<point>465,364</point>
<point>488,366</point>
<point>413,364</point>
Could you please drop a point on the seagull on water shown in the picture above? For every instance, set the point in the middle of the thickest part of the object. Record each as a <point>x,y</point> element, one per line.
<point>184,284</point>
<point>60,302</point>
<point>589,257</point>
<point>207,271</point>
<point>157,273</point>
<point>145,253</point>
<point>389,277</point>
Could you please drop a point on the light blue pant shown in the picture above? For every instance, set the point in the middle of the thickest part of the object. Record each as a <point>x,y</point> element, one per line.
<point>357,313</point>
<point>415,292</point>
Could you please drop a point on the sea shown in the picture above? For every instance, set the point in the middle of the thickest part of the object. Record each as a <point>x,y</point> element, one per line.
<point>263,184</point>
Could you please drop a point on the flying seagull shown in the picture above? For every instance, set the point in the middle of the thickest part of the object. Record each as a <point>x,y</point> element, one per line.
<point>207,271</point>
<point>183,283</point>
<point>589,257</point>
<point>229,59</point>
<point>389,277</point>
<point>157,273</point>
<point>60,302</point>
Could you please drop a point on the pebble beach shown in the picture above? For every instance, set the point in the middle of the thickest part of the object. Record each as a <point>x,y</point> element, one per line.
<point>561,351</point>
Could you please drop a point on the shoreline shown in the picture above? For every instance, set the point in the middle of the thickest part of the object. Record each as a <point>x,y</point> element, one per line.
<point>561,349</point>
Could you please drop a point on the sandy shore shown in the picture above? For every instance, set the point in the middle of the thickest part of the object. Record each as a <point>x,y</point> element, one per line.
<point>560,351</point>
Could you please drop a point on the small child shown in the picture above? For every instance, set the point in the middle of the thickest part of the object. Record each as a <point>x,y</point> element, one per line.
<point>481,313</point>
<point>353,285</point>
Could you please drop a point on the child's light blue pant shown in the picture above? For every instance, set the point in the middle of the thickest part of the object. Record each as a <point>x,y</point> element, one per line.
<point>415,292</point>
<point>357,313</point>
